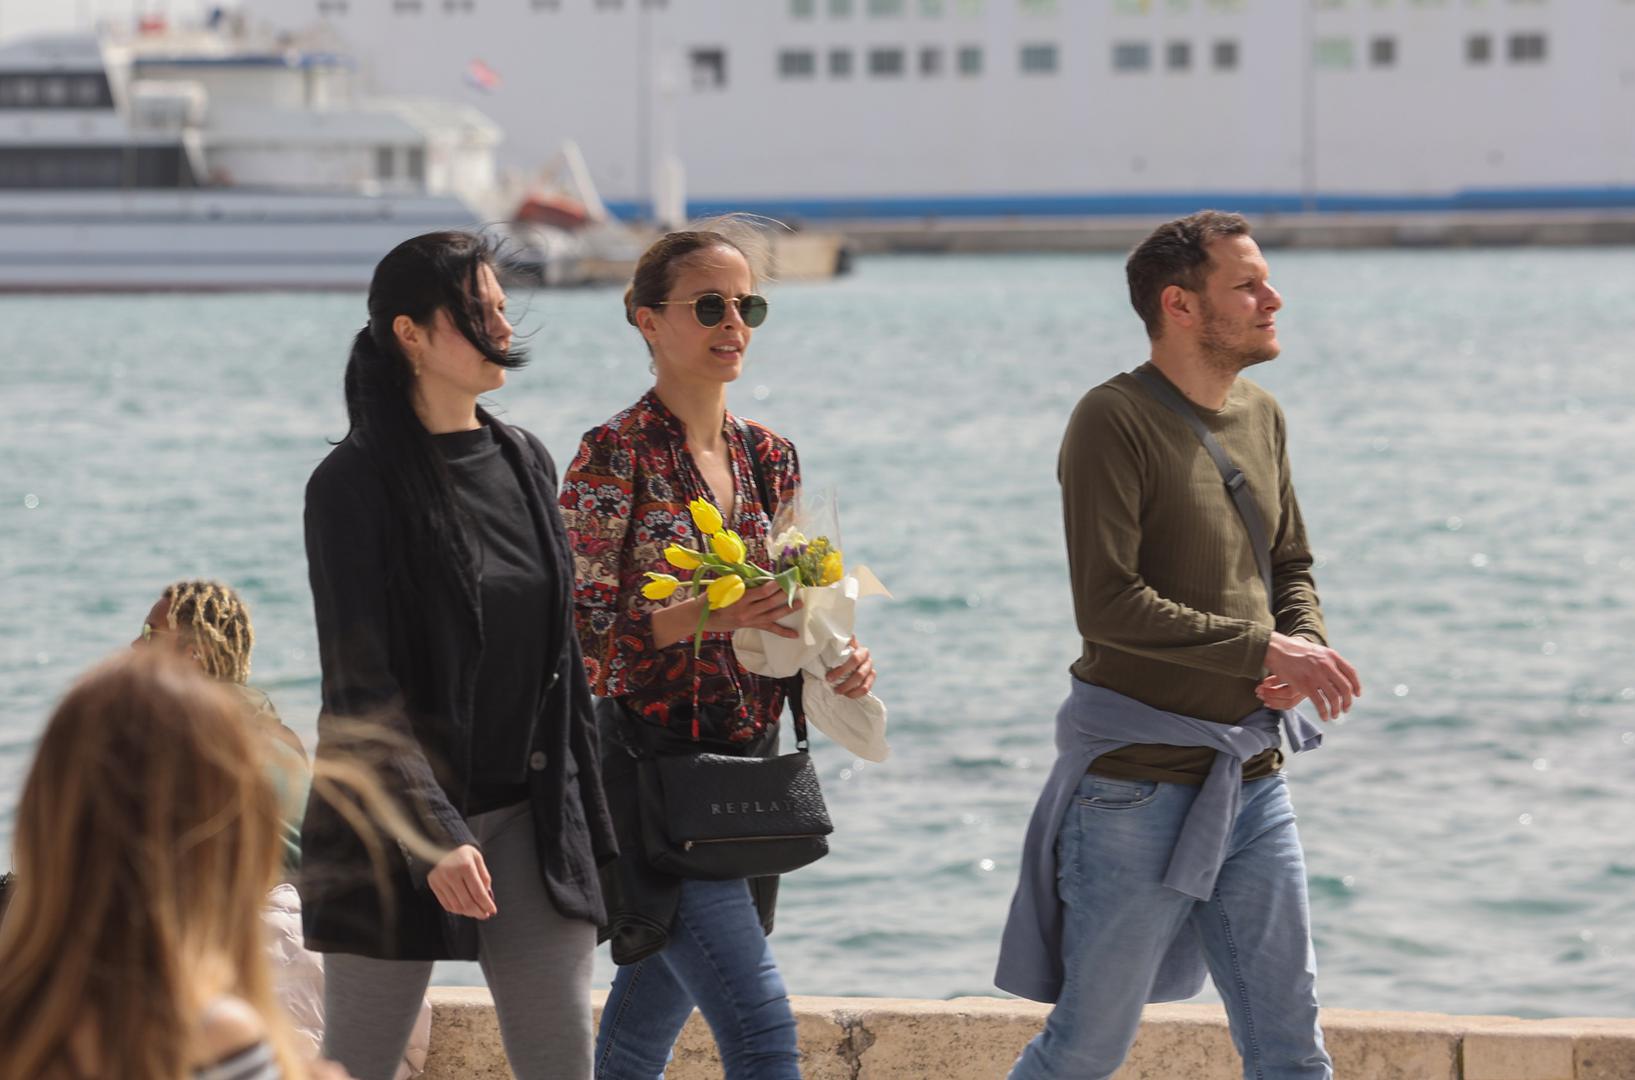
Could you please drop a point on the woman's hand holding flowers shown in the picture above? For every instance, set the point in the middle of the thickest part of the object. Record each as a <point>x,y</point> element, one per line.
<point>855,677</point>
<point>759,609</point>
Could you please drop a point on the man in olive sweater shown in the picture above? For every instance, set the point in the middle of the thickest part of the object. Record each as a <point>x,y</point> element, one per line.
<point>1177,845</point>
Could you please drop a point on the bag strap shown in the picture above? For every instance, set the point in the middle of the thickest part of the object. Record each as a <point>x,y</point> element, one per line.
<point>796,682</point>
<point>755,466</point>
<point>1237,485</point>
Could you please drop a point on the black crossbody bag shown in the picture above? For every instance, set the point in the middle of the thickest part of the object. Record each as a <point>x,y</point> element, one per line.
<point>719,817</point>
<point>1237,486</point>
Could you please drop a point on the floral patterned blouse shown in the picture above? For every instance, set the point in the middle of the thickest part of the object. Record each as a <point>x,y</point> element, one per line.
<point>624,499</point>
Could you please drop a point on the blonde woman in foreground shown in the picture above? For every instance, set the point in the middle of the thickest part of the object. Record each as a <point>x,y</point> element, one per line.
<point>146,839</point>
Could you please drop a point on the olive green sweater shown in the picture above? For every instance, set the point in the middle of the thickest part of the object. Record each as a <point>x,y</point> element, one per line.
<point>1166,592</point>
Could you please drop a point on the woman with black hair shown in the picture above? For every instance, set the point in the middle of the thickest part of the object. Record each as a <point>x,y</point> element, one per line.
<point>443,590</point>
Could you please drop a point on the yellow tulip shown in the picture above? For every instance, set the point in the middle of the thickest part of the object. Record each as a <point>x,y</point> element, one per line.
<point>660,586</point>
<point>729,546</point>
<point>834,568</point>
<point>705,516</point>
<point>682,558</point>
<point>725,591</point>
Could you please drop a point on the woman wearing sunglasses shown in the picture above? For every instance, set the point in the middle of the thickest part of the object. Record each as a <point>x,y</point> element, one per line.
<point>681,943</point>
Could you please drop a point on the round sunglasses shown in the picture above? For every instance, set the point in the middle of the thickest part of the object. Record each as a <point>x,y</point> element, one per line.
<point>711,308</point>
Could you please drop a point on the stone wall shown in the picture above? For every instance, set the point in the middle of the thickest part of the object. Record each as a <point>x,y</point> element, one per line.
<point>978,1038</point>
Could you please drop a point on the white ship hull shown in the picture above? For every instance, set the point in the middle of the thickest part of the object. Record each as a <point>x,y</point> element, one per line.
<point>206,240</point>
<point>913,109</point>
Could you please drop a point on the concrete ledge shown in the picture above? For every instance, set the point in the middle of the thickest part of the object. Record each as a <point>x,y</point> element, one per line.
<point>979,1038</point>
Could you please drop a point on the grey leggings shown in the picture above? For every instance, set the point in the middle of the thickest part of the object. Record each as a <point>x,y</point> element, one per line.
<point>538,966</point>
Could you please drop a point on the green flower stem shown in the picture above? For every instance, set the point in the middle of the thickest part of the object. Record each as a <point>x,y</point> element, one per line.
<point>703,617</point>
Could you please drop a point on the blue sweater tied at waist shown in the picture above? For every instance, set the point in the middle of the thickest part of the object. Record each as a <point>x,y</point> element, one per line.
<point>1094,721</point>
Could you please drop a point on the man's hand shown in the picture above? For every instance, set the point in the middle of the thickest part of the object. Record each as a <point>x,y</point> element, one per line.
<point>1274,693</point>
<point>1308,670</point>
<point>461,883</point>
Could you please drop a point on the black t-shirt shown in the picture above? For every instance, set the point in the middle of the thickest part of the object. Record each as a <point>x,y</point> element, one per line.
<point>517,593</point>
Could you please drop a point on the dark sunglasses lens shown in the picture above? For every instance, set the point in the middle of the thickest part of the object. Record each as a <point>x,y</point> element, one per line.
<point>753,310</point>
<point>710,309</point>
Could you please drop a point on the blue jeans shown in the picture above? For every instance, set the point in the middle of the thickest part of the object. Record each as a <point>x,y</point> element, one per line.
<point>1256,931</point>
<point>718,958</point>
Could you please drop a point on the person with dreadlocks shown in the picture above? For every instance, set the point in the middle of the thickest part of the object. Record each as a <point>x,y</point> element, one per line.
<point>209,623</point>
<point>443,594</point>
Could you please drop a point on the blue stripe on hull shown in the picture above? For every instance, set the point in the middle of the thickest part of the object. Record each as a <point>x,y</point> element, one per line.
<point>1160,204</point>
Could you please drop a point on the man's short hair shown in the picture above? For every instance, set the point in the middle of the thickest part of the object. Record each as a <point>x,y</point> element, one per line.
<point>1175,253</point>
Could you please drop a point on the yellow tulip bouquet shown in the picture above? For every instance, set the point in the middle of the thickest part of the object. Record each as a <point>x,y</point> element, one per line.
<point>723,572</point>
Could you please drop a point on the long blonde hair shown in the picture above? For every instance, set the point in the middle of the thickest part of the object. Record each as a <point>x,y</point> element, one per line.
<point>146,840</point>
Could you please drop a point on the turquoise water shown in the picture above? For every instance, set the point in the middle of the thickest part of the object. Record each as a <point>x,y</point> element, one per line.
<point>1462,426</point>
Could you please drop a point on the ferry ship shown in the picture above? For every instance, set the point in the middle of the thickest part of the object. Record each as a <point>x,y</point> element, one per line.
<point>211,160</point>
<point>852,109</point>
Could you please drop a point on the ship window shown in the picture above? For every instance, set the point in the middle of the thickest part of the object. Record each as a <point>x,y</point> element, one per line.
<point>886,63</point>
<point>932,9</point>
<point>1038,7</point>
<point>385,159</point>
<point>609,5</point>
<point>885,9</point>
<point>840,9</point>
<point>797,64</point>
<point>1038,59</point>
<point>61,167</point>
<point>94,167</point>
<point>930,60</point>
<point>1382,52</point>
<point>414,7</point>
<point>30,91</point>
<point>1226,55</point>
<point>416,165</point>
<point>1131,7</point>
<point>1228,5</point>
<point>802,9</point>
<point>970,7</point>
<point>1338,53</point>
<point>840,63</point>
<point>1130,56</point>
<point>1527,48</point>
<point>708,67</point>
<point>1479,49</point>
<point>332,7</point>
<point>1178,55</point>
<point>970,59</point>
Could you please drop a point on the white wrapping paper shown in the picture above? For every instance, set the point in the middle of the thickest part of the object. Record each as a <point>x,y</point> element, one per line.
<point>826,622</point>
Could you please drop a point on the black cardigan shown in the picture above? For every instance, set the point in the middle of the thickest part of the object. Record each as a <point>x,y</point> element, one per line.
<point>404,658</point>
